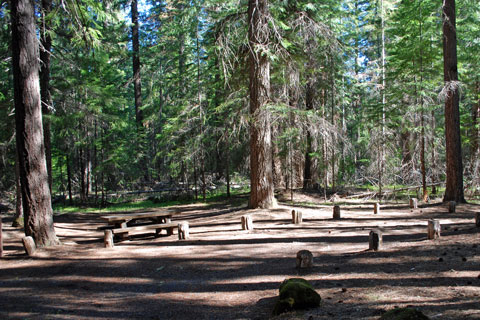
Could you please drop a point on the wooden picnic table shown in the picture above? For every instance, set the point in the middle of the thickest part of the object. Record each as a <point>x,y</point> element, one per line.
<point>131,218</point>
<point>121,224</point>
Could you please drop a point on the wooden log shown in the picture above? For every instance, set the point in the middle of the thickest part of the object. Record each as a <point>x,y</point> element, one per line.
<point>29,245</point>
<point>336,212</point>
<point>304,259</point>
<point>413,203</point>
<point>124,235</point>
<point>1,238</point>
<point>376,208</point>
<point>247,223</point>
<point>108,239</point>
<point>451,206</point>
<point>183,231</point>
<point>297,217</point>
<point>477,219</point>
<point>433,231</point>
<point>375,240</point>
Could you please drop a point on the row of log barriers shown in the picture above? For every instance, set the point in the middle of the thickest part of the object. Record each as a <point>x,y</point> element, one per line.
<point>375,239</point>
<point>375,235</point>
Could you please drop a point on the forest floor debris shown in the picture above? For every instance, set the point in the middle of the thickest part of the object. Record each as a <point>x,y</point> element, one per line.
<point>224,272</point>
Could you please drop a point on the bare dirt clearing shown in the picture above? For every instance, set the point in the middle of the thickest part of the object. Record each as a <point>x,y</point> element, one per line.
<point>223,272</point>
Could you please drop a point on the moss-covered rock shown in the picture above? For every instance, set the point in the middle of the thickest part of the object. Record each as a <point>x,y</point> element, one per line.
<point>295,294</point>
<point>403,314</point>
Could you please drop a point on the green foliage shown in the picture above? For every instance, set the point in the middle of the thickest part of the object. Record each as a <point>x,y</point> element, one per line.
<point>194,74</point>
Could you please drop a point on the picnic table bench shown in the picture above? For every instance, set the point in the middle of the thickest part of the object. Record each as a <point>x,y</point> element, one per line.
<point>121,225</point>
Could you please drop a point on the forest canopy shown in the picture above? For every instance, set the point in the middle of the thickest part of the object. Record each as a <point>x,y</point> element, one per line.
<point>157,94</point>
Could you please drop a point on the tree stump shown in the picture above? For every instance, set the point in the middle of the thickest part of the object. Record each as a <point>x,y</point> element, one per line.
<point>477,219</point>
<point>376,208</point>
<point>375,240</point>
<point>1,238</point>
<point>247,223</point>
<point>183,231</point>
<point>451,206</point>
<point>29,245</point>
<point>433,229</point>
<point>304,259</point>
<point>336,212</point>
<point>108,239</point>
<point>413,203</point>
<point>297,217</point>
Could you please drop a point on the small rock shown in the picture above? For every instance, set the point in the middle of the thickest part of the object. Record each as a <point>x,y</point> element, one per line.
<point>340,301</point>
<point>444,254</point>
<point>464,259</point>
<point>337,268</point>
<point>440,259</point>
<point>469,282</point>
<point>344,289</point>
<point>295,294</point>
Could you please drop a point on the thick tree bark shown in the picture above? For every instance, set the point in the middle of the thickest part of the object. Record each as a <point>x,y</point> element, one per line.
<point>454,184</point>
<point>46,47</point>
<point>261,172</point>
<point>36,196</point>
<point>137,84</point>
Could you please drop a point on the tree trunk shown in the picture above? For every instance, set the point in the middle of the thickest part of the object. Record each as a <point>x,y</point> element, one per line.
<point>307,174</point>
<point>18,217</point>
<point>36,198</point>
<point>434,155</point>
<point>46,42</point>
<point>227,163</point>
<point>475,123</point>
<point>69,180</point>
<point>454,184</point>
<point>81,160</point>
<point>422,116</point>
<point>261,173</point>
<point>333,117</point>
<point>137,84</point>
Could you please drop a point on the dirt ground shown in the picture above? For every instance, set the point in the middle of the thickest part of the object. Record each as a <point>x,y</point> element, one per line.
<point>222,272</point>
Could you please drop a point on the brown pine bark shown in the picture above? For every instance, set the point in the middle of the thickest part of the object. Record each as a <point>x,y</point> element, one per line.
<point>261,172</point>
<point>454,184</point>
<point>36,196</point>
<point>46,47</point>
